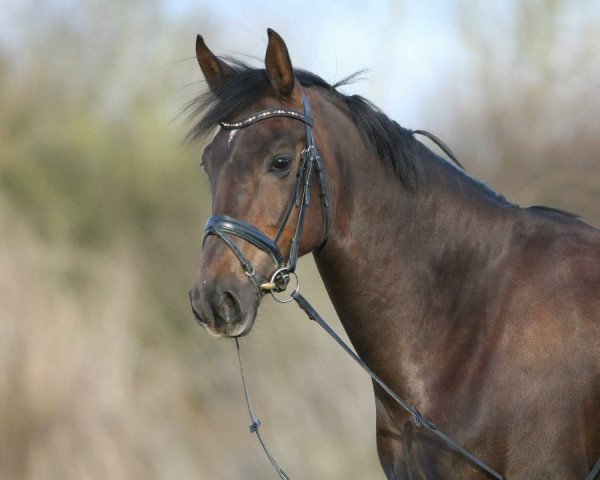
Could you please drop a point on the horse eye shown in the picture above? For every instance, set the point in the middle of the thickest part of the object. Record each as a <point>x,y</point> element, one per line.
<point>281,164</point>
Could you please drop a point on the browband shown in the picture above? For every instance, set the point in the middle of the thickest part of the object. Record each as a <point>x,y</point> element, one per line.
<point>257,117</point>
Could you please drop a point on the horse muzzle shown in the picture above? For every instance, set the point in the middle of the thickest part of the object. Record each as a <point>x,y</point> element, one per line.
<point>225,309</point>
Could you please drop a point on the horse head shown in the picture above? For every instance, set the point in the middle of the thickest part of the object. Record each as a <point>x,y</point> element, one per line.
<point>261,164</point>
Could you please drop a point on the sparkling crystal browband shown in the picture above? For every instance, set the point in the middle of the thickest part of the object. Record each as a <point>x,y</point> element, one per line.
<point>263,116</point>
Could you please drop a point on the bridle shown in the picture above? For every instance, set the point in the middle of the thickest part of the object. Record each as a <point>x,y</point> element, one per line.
<point>224,226</point>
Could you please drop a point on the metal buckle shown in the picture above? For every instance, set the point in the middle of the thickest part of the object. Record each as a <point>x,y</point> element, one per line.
<point>308,149</point>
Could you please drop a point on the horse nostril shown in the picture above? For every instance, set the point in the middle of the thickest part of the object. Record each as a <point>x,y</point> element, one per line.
<point>229,308</point>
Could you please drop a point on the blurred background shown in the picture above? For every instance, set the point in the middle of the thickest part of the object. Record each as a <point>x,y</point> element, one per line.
<point>103,372</point>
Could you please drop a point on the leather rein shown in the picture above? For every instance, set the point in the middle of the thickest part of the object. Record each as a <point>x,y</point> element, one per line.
<point>224,227</point>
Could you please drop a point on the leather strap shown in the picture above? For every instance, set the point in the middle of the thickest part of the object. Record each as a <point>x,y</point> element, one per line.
<point>255,422</point>
<point>595,471</point>
<point>224,224</point>
<point>419,420</point>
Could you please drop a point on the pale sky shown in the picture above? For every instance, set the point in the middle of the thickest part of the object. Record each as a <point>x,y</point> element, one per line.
<point>408,47</point>
<point>414,51</point>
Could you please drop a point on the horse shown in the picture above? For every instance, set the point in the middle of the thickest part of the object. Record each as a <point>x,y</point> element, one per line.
<point>485,314</point>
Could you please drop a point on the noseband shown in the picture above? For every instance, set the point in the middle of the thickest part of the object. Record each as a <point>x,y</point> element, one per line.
<point>226,227</point>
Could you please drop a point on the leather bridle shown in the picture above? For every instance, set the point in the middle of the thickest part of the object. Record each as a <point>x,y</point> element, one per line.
<point>224,226</point>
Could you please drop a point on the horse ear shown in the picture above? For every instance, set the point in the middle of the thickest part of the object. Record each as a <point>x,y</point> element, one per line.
<point>214,69</point>
<point>278,65</point>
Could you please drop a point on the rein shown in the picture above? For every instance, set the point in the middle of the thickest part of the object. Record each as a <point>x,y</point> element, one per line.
<point>225,227</point>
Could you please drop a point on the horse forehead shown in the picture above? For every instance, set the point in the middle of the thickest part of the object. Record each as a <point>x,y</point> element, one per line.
<point>232,150</point>
<point>254,138</point>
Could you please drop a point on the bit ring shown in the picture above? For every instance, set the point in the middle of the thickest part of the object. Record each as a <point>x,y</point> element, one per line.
<point>285,273</point>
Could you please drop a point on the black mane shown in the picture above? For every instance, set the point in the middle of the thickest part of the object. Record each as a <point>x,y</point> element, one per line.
<point>392,143</point>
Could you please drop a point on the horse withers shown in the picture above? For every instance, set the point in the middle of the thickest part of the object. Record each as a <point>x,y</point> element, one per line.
<point>484,314</point>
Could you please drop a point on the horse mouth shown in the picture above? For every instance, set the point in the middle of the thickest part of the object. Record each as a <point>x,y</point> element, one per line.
<point>229,328</point>
<point>236,330</point>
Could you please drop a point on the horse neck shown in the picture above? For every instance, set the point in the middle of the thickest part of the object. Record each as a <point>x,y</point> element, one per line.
<point>407,271</point>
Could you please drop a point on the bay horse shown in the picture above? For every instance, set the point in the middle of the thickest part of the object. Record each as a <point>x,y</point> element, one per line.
<point>485,314</point>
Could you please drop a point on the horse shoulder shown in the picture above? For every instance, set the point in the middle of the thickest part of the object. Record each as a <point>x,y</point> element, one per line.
<point>553,310</point>
<point>560,260</point>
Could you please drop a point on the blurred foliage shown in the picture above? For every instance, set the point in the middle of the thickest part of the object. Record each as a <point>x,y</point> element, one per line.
<point>83,162</point>
<point>524,115</point>
<point>91,156</point>
<point>103,373</point>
